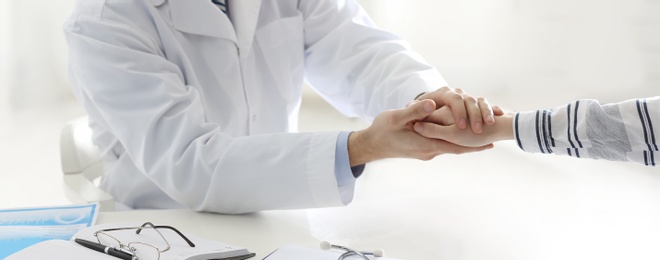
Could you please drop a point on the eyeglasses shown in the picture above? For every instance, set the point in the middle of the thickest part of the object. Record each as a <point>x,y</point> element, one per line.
<point>152,249</point>
<point>325,245</point>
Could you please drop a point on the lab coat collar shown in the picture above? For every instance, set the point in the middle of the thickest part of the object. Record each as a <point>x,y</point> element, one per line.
<point>199,17</point>
<point>245,15</point>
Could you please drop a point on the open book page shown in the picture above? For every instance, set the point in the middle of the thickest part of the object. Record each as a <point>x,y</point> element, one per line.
<point>58,250</point>
<point>179,249</point>
<point>289,252</point>
<point>23,227</point>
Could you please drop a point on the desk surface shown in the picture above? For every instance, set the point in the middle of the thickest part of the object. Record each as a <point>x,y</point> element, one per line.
<point>543,207</point>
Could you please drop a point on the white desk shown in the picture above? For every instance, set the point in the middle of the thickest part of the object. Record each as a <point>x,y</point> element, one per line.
<point>501,204</point>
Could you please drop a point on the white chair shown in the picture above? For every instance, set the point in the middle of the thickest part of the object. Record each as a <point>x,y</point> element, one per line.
<point>82,165</point>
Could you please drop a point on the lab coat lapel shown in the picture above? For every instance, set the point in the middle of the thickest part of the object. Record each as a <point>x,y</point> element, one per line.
<point>200,17</point>
<point>244,15</point>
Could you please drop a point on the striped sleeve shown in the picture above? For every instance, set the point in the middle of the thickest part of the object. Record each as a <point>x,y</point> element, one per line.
<point>625,131</point>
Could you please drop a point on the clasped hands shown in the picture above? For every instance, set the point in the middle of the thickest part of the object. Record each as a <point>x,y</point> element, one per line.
<point>441,124</point>
<point>443,121</point>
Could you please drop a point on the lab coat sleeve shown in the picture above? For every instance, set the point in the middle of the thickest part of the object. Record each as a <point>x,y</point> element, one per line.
<point>360,69</point>
<point>126,84</point>
<point>625,131</point>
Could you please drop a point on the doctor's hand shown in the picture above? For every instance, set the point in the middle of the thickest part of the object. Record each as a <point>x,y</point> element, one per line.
<point>444,127</point>
<point>391,135</point>
<point>464,108</point>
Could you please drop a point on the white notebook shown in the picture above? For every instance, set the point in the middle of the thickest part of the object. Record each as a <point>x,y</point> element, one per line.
<point>179,249</point>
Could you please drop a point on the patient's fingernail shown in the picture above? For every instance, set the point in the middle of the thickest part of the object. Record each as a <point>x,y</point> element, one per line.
<point>418,128</point>
<point>490,119</point>
<point>477,127</point>
<point>429,107</point>
<point>462,123</point>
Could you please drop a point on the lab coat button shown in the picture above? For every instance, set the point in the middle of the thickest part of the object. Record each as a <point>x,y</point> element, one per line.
<point>254,117</point>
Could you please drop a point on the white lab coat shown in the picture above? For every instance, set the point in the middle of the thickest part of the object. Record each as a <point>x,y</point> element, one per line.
<point>193,110</point>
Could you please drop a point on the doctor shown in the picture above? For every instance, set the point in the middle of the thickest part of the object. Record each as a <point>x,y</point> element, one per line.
<point>195,104</point>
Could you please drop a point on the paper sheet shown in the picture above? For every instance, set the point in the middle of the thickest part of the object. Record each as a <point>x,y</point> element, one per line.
<point>20,228</point>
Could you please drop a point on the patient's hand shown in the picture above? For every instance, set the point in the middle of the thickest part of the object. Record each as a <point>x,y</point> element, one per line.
<point>440,125</point>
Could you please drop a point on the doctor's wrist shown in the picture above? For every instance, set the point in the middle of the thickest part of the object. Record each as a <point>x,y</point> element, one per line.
<point>360,150</point>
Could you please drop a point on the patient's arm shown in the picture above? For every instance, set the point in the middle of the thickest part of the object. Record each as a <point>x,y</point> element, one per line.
<point>624,131</point>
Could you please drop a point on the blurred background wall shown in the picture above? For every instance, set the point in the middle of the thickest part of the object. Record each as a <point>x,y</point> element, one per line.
<point>35,101</point>
<point>531,53</point>
<point>522,54</point>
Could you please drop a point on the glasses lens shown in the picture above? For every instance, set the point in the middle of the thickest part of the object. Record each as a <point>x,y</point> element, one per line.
<point>154,237</point>
<point>107,240</point>
<point>144,251</point>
